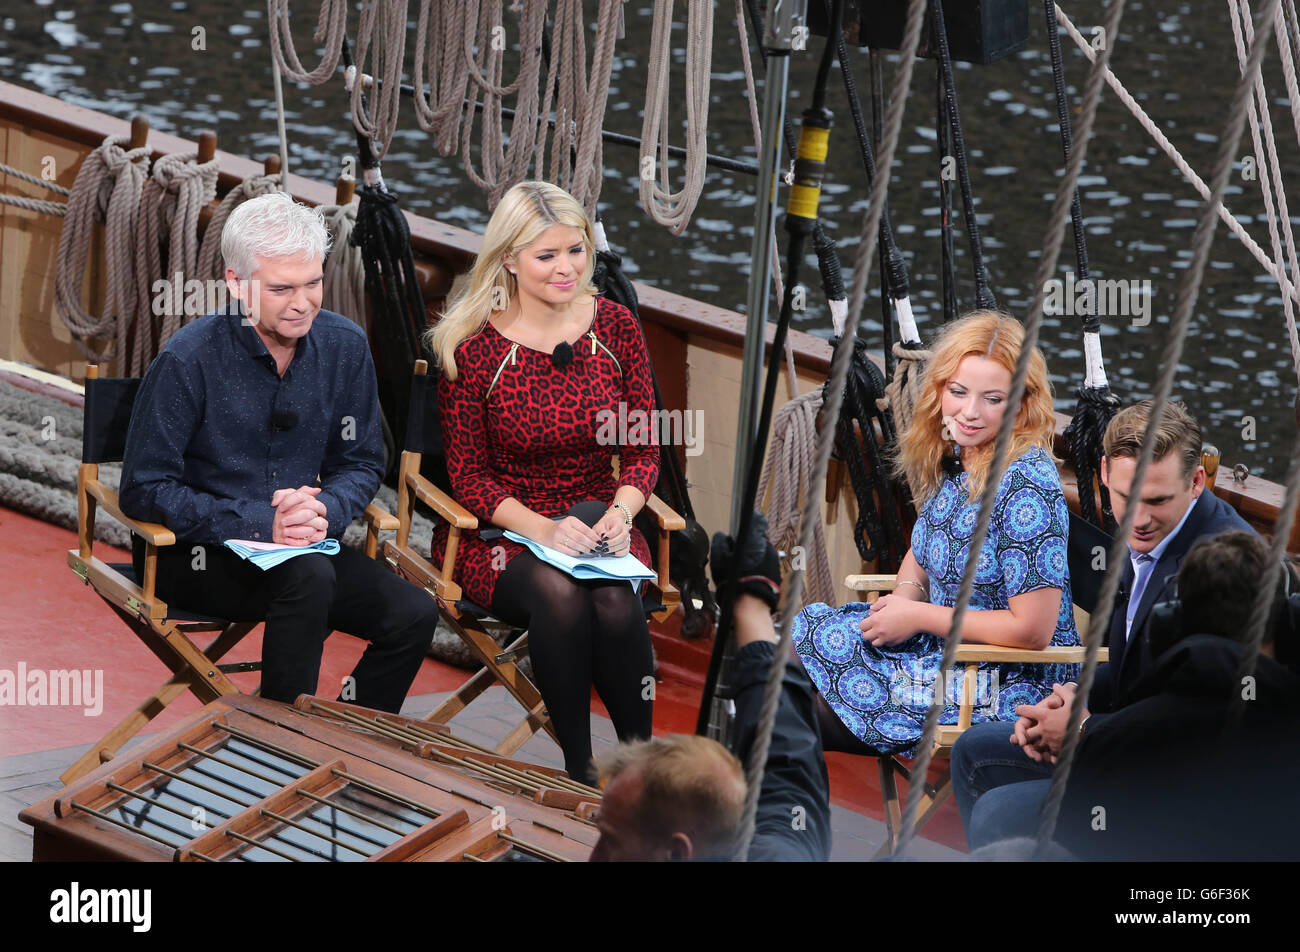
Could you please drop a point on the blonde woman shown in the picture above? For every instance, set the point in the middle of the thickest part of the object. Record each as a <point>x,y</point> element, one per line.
<point>876,666</point>
<point>533,363</point>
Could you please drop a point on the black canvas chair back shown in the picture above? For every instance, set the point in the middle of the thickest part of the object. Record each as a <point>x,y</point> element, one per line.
<point>106,417</point>
<point>424,430</point>
<point>1087,550</point>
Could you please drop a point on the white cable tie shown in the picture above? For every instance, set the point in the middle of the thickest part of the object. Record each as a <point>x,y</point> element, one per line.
<point>349,77</point>
<point>1095,375</point>
<point>839,314</point>
<point>598,232</point>
<point>907,332</point>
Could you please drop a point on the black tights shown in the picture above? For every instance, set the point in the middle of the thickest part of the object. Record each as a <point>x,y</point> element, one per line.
<point>581,633</point>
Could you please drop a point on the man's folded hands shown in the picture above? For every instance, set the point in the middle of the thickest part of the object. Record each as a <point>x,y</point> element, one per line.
<point>300,517</point>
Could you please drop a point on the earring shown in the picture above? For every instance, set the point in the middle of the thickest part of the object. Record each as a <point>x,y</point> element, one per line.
<point>946,433</point>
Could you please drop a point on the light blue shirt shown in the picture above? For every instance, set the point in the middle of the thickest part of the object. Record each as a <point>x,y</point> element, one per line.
<point>1144,564</point>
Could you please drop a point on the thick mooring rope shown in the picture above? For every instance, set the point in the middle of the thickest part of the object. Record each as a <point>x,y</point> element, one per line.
<point>177,190</point>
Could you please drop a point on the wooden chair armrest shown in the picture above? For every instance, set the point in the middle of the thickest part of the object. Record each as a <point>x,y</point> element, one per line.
<point>446,507</point>
<point>871,583</point>
<point>1052,654</point>
<point>664,514</point>
<point>381,519</point>
<point>151,532</point>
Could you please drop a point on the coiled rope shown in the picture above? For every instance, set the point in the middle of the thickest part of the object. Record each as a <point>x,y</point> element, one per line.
<point>331,27</point>
<point>785,476</point>
<point>793,589</point>
<point>106,191</point>
<point>210,264</point>
<point>1185,303</point>
<point>177,190</point>
<point>381,36</point>
<point>673,209</point>
<point>502,166</point>
<point>345,270</point>
<point>1052,242</point>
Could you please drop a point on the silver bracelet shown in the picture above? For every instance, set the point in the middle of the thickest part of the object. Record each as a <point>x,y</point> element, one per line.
<point>627,512</point>
<point>908,581</point>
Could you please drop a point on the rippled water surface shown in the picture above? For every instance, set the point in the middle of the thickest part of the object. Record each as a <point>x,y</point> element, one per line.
<point>1177,58</point>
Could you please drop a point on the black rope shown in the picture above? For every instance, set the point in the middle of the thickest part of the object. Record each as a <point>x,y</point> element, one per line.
<point>947,263</point>
<point>392,286</point>
<point>878,533</point>
<point>688,549</point>
<point>983,295</point>
<point>799,228</point>
<point>1095,405</point>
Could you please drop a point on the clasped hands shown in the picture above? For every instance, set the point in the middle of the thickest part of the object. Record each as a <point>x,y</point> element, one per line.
<point>299,516</point>
<point>1040,728</point>
<point>609,536</point>
<point>892,620</point>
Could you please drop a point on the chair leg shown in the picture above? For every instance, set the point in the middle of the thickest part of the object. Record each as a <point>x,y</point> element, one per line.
<point>933,797</point>
<point>511,678</point>
<point>185,680</point>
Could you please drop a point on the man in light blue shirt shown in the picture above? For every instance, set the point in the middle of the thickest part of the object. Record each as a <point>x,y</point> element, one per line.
<point>1174,510</point>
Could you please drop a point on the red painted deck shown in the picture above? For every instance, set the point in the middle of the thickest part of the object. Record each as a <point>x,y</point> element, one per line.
<point>51,621</point>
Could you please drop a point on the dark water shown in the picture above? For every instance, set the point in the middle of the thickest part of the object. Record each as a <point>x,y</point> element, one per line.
<point>1177,58</point>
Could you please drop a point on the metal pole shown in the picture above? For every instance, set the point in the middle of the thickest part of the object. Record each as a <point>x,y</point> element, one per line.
<point>781,21</point>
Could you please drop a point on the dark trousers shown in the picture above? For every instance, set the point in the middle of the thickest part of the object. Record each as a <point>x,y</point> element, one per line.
<point>301,601</point>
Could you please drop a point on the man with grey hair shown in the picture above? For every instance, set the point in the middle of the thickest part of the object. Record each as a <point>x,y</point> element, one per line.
<point>261,422</point>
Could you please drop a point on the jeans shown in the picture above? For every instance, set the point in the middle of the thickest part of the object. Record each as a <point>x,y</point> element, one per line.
<point>983,759</point>
<point>1007,812</point>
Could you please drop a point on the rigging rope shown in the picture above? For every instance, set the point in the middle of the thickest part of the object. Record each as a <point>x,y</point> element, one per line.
<point>1273,268</point>
<point>106,191</point>
<point>673,209</point>
<point>1185,303</point>
<point>176,191</point>
<point>1052,242</point>
<point>1269,171</point>
<point>793,588</point>
<point>983,295</point>
<point>34,179</point>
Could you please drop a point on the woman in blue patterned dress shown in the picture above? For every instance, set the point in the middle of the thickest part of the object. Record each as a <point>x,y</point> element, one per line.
<point>876,666</point>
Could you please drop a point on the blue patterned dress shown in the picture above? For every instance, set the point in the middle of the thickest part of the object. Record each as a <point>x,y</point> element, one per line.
<point>882,694</point>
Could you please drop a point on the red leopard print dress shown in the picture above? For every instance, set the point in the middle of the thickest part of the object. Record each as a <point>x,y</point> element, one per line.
<point>533,433</point>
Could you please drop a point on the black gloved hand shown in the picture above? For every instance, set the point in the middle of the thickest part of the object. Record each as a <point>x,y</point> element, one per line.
<point>757,566</point>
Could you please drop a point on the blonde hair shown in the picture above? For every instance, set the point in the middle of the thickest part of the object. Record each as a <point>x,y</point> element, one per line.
<point>1179,432</point>
<point>689,784</point>
<point>921,450</point>
<point>525,211</point>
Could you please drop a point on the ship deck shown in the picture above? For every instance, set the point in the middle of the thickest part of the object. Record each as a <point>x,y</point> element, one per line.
<point>52,621</point>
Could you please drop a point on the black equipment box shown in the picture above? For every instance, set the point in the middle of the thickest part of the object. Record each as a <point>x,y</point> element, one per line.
<point>979,31</point>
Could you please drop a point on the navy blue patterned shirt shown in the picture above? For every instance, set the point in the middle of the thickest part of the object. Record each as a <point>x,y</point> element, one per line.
<point>216,430</point>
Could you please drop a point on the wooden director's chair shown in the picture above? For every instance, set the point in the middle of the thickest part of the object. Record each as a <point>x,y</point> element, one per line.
<point>164,629</point>
<point>471,622</point>
<point>1085,584</point>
